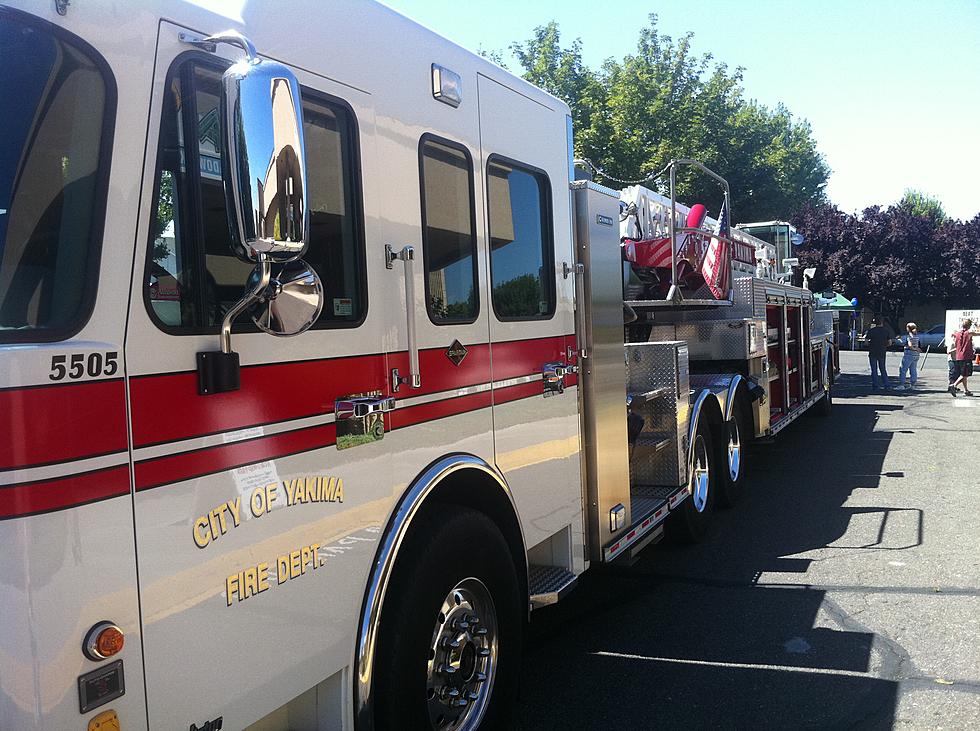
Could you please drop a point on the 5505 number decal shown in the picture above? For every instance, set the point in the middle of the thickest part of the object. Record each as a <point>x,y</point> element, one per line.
<point>77,365</point>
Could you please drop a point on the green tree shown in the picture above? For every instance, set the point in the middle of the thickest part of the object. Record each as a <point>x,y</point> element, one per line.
<point>663,102</point>
<point>562,72</point>
<point>918,203</point>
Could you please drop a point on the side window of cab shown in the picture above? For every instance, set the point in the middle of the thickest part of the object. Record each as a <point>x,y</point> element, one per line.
<point>192,276</point>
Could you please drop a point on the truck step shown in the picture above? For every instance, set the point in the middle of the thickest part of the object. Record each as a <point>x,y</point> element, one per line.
<point>547,584</point>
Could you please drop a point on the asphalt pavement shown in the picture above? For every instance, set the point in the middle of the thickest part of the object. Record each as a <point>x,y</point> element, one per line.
<point>843,592</point>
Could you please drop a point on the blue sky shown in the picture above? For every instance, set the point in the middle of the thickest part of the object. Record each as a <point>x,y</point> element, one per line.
<point>891,87</point>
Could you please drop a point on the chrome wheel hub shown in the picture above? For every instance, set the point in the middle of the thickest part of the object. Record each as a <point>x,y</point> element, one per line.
<point>700,475</point>
<point>462,657</point>
<point>734,449</point>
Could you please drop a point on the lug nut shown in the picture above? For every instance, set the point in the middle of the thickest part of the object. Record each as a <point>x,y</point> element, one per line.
<point>480,631</point>
<point>449,693</point>
<point>480,677</point>
<point>483,652</point>
<point>448,643</point>
<point>461,703</point>
<point>471,696</point>
<point>446,669</point>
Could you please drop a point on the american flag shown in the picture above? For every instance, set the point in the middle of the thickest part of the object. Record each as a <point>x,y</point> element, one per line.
<point>717,265</point>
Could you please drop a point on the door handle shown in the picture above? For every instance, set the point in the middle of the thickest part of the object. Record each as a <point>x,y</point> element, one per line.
<point>406,256</point>
<point>360,407</point>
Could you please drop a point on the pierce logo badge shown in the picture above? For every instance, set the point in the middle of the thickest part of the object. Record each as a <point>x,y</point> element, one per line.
<point>456,352</point>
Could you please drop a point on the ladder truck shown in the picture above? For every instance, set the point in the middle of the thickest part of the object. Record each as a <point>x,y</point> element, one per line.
<point>320,370</point>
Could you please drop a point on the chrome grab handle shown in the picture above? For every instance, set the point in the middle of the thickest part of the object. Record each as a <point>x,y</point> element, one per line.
<point>407,256</point>
<point>583,328</point>
<point>358,408</point>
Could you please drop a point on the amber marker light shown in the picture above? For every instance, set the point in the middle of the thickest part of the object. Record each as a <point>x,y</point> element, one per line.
<point>104,640</point>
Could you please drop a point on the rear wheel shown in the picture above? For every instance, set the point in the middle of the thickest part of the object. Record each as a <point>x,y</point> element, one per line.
<point>450,640</point>
<point>731,457</point>
<point>825,406</point>
<point>689,523</point>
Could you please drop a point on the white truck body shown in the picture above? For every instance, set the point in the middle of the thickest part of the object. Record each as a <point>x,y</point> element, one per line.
<point>243,542</point>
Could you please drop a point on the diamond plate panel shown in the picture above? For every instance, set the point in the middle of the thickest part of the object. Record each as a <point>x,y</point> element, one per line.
<point>650,366</point>
<point>723,339</point>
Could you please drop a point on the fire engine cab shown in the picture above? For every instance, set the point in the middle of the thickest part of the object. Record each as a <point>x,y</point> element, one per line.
<point>320,368</point>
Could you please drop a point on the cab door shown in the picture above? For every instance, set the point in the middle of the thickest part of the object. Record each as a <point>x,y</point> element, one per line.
<point>437,301</point>
<point>532,343</point>
<point>256,510</point>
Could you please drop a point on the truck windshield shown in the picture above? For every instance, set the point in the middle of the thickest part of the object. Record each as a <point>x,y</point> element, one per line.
<point>54,100</point>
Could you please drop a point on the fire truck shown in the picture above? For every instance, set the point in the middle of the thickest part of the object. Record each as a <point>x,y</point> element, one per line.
<point>320,367</point>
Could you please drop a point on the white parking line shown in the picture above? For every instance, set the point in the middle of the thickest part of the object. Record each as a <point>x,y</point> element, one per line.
<point>738,665</point>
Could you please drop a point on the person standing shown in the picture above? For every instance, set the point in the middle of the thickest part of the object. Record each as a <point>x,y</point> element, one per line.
<point>910,356</point>
<point>962,346</point>
<point>878,341</point>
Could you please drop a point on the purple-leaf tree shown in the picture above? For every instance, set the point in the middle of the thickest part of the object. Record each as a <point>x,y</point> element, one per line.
<point>889,257</point>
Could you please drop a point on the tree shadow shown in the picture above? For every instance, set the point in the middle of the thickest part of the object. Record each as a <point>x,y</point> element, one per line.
<point>686,638</point>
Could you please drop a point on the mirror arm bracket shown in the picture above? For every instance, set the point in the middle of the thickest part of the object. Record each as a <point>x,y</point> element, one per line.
<point>234,38</point>
<point>219,371</point>
<point>265,276</point>
<point>192,39</point>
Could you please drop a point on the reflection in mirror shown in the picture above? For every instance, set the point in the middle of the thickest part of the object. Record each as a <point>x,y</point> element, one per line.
<point>266,181</point>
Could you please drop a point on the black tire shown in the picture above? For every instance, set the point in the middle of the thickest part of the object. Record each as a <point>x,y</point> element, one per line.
<point>689,523</point>
<point>447,548</point>
<point>732,453</point>
<point>825,406</point>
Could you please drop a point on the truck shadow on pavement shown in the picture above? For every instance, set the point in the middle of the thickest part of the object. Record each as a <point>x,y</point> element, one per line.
<point>692,637</point>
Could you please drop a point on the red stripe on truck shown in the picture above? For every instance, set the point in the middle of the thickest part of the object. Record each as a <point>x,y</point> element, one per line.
<point>50,424</point>
<point>168,408</point>
<point>199,462</point>
<point>45,496</point>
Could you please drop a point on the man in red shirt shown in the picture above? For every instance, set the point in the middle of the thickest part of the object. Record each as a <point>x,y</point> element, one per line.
<point>962,346</point>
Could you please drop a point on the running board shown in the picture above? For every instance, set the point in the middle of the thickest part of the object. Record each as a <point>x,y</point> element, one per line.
<point>548,584</point>
<point>652,505</point>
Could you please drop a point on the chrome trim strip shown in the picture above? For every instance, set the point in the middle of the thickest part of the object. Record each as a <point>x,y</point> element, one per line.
<point>442,395</point>
<point>395,533</point>
<point>234,435</point>
<point>230,437</point>
<point>63,469</point>
<point>517,380</point>
<point>466,390</point>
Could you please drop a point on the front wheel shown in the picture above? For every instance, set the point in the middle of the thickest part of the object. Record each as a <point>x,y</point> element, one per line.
<point>689,523</point>
<point>450,640</point>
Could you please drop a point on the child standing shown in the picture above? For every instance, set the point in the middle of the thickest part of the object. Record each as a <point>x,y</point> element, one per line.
<point>910,358</point>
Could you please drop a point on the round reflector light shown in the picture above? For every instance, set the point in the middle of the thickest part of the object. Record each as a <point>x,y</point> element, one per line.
<point>104,640</point>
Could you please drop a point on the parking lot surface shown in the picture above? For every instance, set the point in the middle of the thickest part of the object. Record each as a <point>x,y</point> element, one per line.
<point>842,592</point>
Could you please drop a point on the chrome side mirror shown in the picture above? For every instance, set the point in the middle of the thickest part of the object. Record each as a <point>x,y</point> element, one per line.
<point>265,187</point>
<point>265,178</point>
